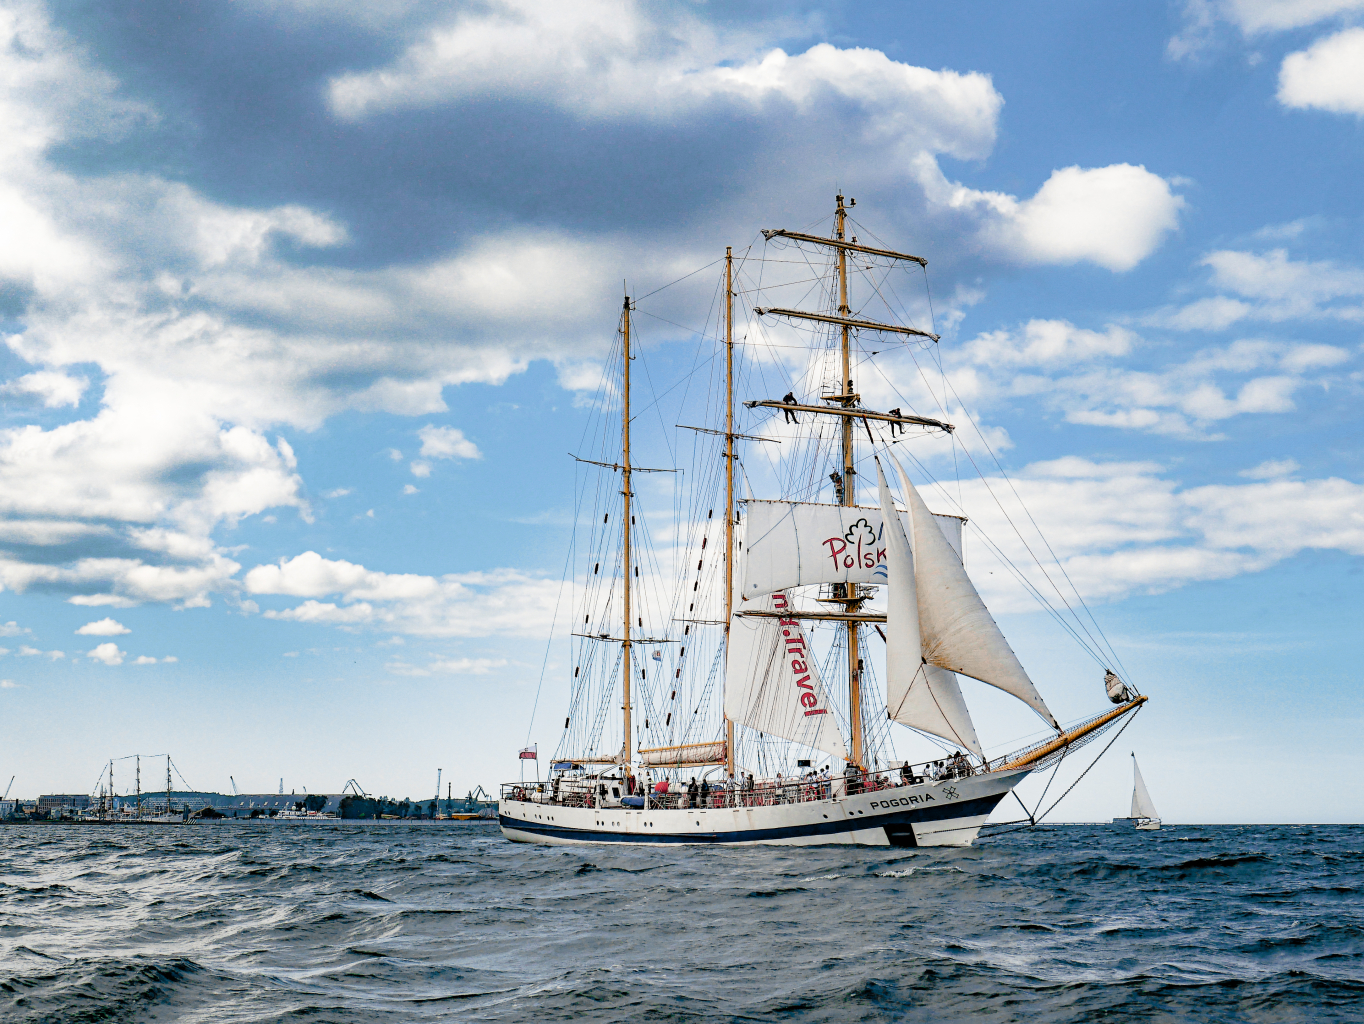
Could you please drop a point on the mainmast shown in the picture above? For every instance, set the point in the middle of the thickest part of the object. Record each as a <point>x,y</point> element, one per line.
<point>625,480</point>
<point>729,478</point>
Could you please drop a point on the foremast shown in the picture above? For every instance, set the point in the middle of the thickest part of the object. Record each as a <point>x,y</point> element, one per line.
<point>847,593</point>
<point>626,665</point>
<point>843,402</point>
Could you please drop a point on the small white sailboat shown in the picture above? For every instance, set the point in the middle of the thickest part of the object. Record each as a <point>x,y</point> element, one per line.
<point>1144,815</point>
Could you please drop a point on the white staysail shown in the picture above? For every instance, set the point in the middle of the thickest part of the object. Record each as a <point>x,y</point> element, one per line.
<point>795,544</point>
<point>1142,807</point>
<point>918,695</point>
<point>772,683</point>
<point>958,631</point>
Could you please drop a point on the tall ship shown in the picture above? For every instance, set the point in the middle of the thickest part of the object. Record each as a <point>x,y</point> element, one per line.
<point>755,670</point>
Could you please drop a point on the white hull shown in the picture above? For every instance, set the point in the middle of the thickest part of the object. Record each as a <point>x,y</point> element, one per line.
<point>1143,824</point>
<point>948,813</point>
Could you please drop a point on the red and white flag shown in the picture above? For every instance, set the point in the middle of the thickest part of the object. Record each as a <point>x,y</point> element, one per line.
<point>530,754</point>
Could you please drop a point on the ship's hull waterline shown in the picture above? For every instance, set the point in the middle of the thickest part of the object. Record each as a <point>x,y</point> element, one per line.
<point>947,813</point>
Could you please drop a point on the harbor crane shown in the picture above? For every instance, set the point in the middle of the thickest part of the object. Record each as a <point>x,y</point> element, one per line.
<point>11,784</point>
<point>234,785</point>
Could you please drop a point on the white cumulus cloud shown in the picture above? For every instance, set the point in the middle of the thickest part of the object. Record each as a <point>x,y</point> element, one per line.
<point>1328,75</point>
<point>103,627</point>
<point>1250,18</point>
<point>1079,373</point>
<point>1114,216</point>
<point>1272,287</point>
<point>1048,342</point>
<point>446,443</point>
<point>55,388</point>
<point>1123,528</point>
<point>502,601</point>
<point>1272,469</point>
<point>108,653</point>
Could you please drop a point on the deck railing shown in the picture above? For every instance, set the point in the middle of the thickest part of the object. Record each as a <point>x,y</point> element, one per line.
<point>596,792</point>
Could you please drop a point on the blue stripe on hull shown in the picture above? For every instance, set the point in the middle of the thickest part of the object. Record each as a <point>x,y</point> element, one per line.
<point>979,807</point>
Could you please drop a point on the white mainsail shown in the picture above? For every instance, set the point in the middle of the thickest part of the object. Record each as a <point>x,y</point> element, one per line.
<point>772,682</point>
<point>959,634</point>
<point>797,543</point>
<point>918,695</point>
<point>1142,807</point>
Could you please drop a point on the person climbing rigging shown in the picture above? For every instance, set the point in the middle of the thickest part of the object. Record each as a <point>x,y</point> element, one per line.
<point>790,399</point>
<point>896,412</point>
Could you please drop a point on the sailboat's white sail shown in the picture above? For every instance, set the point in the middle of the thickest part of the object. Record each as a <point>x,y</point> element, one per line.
<point>918,695</point>
<point>1142,807</point>
<point>796,544</point>
<point>958,631</point>
<point>772,683</point>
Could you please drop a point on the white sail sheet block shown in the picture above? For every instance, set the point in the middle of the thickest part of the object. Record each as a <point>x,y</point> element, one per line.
<point>772,683</point>
<point>918,695</point>
<point>1142,807</point>
<point>959,634</point>
<point>796,544</point>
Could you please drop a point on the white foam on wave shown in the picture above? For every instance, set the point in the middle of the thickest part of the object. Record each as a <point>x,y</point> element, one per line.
<point>896,874</point>
<point>820,878</point>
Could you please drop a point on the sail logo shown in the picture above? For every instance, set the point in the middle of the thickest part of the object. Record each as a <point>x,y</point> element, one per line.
<point>798,659</point>
<point>858,548</point>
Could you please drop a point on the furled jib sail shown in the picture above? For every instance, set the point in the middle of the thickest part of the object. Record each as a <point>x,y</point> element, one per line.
<point>1142,807</point>
<point>957,630</point>
<point>796,544</point>
<point>919,695</point>
<point>772,683</point>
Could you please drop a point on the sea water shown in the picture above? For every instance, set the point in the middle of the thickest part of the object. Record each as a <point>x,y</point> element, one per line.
<point>229,921</point>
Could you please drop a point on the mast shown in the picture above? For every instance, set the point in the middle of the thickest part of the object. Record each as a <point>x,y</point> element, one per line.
<point>139,785</point>
<point>168,784</point>
<point>625,480</point>
<point>848,591</point>
<point>729,478</point>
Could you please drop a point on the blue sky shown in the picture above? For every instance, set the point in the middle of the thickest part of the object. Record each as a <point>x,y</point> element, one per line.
<point>304,306</point>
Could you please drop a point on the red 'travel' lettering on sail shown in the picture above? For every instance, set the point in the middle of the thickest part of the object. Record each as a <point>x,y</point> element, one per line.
<point>798,659</point>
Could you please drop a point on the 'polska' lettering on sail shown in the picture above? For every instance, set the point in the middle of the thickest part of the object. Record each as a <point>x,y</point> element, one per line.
<point>859,548</point>
<point>798,658</point>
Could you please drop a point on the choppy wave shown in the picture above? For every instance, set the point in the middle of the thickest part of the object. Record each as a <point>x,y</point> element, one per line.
<point>252,922</point>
